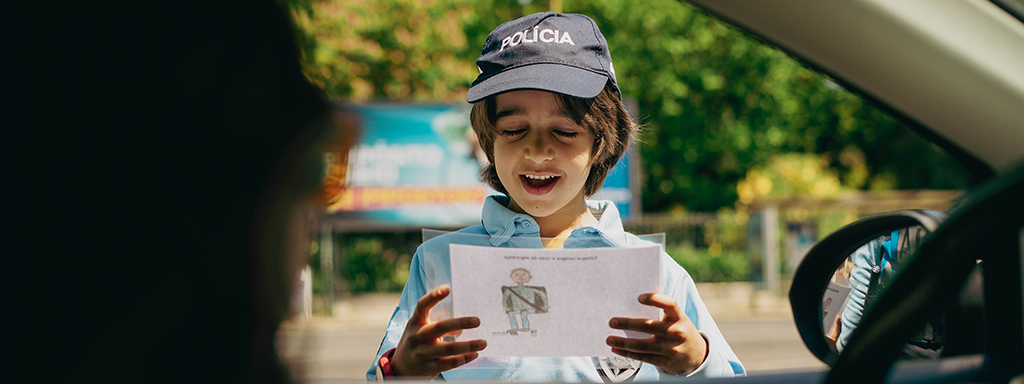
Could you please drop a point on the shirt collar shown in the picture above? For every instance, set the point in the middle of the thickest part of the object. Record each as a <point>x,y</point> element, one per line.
<point>502,223</point>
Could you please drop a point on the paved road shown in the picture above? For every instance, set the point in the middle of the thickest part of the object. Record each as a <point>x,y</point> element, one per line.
<point>324,351</point>
<point>768,344</point>
<point>329,350</point>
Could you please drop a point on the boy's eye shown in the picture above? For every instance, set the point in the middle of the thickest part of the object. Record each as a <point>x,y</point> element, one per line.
<point>566,134</point>
<point>512,132</point>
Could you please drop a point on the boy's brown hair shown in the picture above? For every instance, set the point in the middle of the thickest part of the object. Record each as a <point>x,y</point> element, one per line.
<point>604,116</point>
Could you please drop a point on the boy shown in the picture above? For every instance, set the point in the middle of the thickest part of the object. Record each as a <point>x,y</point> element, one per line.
<point>548,115</point>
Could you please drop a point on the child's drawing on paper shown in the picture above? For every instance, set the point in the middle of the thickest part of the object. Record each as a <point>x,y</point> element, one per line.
<point>523,300</point>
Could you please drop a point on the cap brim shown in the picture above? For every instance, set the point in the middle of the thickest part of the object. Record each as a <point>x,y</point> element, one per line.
<point>556,78</point>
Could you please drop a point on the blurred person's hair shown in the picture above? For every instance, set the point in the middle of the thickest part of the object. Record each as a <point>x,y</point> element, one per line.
<point>189,172</point>
<point>605,116</point>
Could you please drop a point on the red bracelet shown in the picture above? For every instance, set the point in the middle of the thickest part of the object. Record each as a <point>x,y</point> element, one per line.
<point>385,363</point>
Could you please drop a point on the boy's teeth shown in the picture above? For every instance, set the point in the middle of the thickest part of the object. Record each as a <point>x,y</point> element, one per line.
<point>539,181</point>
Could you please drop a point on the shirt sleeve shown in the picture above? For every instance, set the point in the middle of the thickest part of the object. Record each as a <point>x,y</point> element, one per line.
<point>720,361</point>
<point>415,288</point>
<point>863,258</point>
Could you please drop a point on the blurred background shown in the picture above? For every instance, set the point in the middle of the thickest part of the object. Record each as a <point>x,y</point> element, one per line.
<point>746,159</point>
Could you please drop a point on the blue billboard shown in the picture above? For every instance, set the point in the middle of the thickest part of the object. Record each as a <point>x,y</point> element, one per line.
<point>417,166</point>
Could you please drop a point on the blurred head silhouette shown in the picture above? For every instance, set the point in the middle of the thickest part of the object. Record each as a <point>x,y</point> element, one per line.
<point>194,168</point>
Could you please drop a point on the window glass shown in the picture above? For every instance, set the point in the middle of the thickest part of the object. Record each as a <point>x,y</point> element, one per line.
<point>728,122</point>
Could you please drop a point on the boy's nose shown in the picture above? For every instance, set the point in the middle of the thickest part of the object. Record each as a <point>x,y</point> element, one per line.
<point>539,149</point>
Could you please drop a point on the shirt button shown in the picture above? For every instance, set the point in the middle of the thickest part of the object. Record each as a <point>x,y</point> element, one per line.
<point>526,224</point>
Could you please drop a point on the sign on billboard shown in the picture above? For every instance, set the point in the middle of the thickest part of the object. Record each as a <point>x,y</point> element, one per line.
<point>418,166</point>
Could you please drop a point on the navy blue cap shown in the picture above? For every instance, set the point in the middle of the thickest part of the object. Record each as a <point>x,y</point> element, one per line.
<point>557,52</point>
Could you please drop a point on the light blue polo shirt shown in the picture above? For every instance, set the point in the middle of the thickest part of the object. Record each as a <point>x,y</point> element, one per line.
<point>502,227</point>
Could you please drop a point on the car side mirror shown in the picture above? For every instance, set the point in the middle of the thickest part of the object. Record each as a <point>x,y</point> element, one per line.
<point>836,273</point>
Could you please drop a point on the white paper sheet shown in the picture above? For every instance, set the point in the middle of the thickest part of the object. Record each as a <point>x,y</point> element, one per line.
<point>832,304</point>
<point>571,292</point>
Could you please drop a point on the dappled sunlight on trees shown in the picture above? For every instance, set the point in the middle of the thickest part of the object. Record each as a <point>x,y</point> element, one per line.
<point>789,176</point>
<point>716,103</point>
<point>388,50</point>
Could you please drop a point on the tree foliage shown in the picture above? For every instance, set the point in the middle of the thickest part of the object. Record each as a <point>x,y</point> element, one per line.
<point>715,102</point>
<point>719,102</point>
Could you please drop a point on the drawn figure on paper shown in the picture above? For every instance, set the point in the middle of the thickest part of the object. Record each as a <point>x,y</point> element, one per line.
<point>523,300</point>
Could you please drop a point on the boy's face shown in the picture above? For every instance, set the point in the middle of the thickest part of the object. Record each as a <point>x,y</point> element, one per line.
<point>541,155</point>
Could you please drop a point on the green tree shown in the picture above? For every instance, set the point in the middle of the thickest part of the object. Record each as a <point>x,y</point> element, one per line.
<point>715,101</point>
<point>387,50</point>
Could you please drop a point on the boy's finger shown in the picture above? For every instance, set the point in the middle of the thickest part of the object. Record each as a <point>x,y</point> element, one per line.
<point>443,350</point>
<point>440,328</point>
<point>446,363</point>
<point>653,327</point>
<point>646,346</point>
<point>421,314</point>
<point>665,302</point>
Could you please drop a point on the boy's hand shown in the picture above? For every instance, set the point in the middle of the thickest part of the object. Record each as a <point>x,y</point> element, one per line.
<point>675,346</point>
<point>837,327</point>
<point>422,353</point>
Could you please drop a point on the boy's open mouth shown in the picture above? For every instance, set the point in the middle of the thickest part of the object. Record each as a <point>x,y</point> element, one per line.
<point>537,184</point>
